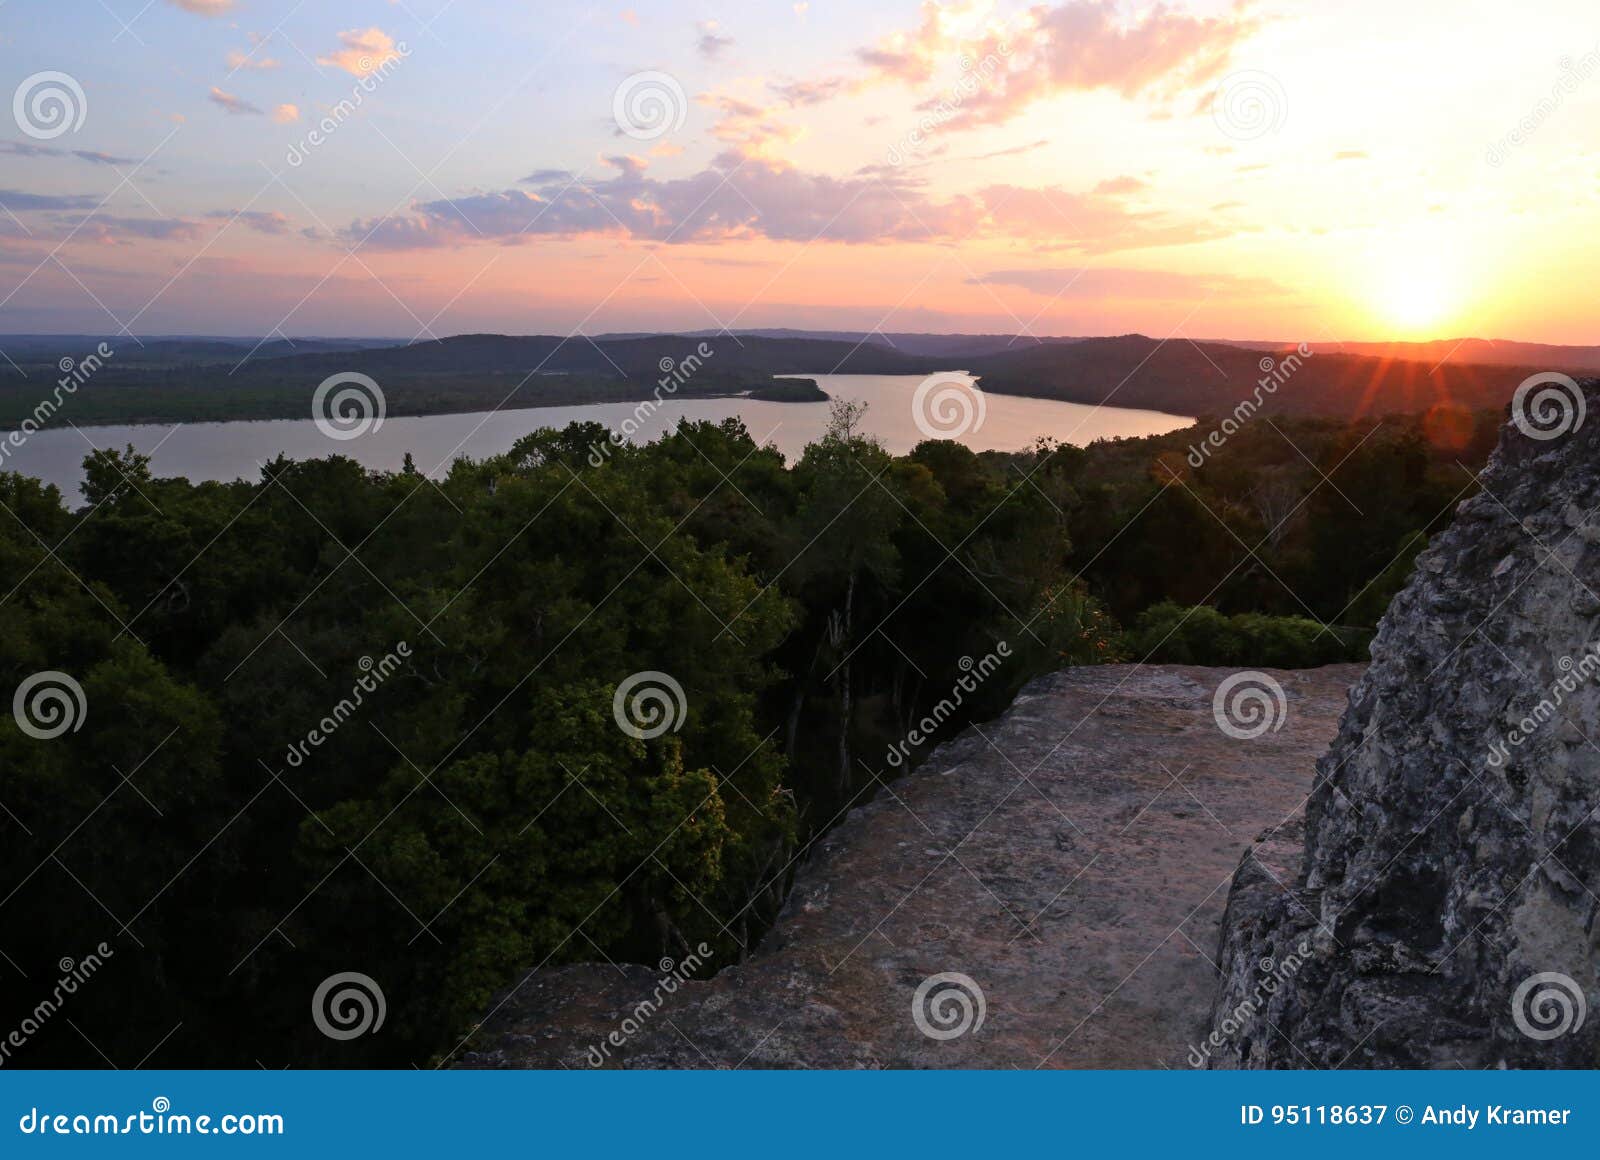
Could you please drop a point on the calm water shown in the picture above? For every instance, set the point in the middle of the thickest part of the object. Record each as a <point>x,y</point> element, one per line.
<point>224,451</point>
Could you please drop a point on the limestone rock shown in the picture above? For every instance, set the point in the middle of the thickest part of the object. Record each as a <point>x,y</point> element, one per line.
<point>1446,892</point>
<point>1070,860</point>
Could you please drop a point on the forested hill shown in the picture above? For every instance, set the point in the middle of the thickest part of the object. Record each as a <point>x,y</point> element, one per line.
<point>632,357</point>
<point>170,380</point>
<point>1189,378</point>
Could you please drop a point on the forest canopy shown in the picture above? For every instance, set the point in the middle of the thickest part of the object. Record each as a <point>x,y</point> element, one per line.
<point>337,720</point>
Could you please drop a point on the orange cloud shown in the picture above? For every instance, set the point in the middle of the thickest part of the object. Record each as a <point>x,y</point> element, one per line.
<point>362,51</point>
<point>203,7</point>
<point>286,114</point>
<point>1079,45</point>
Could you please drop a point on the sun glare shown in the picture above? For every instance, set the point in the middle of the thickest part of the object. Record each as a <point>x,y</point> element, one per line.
<point>1415,291</point>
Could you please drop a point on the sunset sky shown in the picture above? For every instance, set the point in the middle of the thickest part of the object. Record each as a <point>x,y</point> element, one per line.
<point>1277,170</point>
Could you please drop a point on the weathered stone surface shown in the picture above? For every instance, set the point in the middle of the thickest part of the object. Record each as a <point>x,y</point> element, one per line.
<point>1071,858</point>
<point>1446,863</point>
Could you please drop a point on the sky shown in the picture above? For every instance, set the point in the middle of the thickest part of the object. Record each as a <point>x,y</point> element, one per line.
<point>419,168</point>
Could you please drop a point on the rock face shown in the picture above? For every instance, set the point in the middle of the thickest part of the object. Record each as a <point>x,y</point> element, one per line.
<point>1442,909</point>
<point>1044,890</point>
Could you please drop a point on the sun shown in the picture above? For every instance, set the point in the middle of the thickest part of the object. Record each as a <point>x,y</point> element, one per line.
<point>1415,300</point>
<point>1414,287</point>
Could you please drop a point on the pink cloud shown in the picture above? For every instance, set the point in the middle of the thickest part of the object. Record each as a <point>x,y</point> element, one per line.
<point>740,197</point>
<point>362,51</point>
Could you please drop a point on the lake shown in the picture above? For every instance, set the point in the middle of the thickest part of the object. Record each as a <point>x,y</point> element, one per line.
<point>224,451</point>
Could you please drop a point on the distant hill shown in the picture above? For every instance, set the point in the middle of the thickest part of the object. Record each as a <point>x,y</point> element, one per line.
<point>1189,378</point>
<point>188,378</point>
<point>1465,351</point>
<point>941,345</point>
<point>631,358</point>
<point>161,350</point>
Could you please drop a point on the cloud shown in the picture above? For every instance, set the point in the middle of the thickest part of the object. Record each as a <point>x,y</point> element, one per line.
<point>1013,151</point>
<point>1127,282</point>
<point>232,104</point>
<point>16,201</point>
<point>110,230</point>
<point>28,149</point>
<point>204,7</point>
<point>1120,185</point>
<point>1352,155</point>
<point>286,114</point>
<point>95,157</point>
<point>262,221</point>
<point>362,51</point>
<point>711,42</point>
<point>754,130</point>
<point>1076,46</point>
<point>809,92</point>
<point>739,197</point>
<point>248,60</point>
